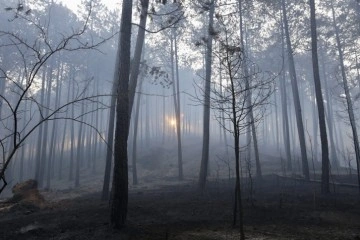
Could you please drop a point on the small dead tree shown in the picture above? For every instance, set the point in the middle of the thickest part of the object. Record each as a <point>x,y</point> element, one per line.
<point>31,54</point>
<point>230,100</point>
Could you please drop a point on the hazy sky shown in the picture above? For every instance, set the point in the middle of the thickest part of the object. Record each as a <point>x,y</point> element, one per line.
<point>73,3</point>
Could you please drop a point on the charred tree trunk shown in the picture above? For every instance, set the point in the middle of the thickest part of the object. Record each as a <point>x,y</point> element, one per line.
<point>238,199</point>
<point>347,94</point>
<point>138,51</point>
<point>119,195</point>
<point>325,189</point>
<point>295,90</point>
<point>110,134</point>
<point>136,123</point>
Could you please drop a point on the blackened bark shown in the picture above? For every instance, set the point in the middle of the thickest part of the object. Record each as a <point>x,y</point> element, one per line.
<point>119,195</point>
<point>110,136</point>
<point>320,103</point>
<point>136,122</point>
<point>138,51</point>
<point>347,94</point>
<point>295,90</point>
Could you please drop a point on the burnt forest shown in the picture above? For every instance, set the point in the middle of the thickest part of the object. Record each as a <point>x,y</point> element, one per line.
<point>179,119</point>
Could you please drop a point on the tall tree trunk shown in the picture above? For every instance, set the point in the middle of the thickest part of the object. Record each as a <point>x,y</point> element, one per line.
<point>44,145</point>
<point>330,115</point>
<point>320,103</point>
<point>138,50</point>
<point>223,122</point>
<point>357,68</point>
<point>295,90</point>
<point>38,165</point>
<point>315,116</point>
<point>136,122</point>
<point>51,157</point>
<point>206,119</point>
<point>96,137</point>
<point>135,131</point>
<point>176,93</point>
<point>72,131</point>
<point>110,135</point>
<point>24,121</point>
<point>285,116</point>
<point>119,196</point>
<point>147,120</point>
<point>62,147</point>
<point>22,157</point>
<point>2,89</point>
<point>238,199</point>
<point>347,93</point>
<point>79,147</point>
<point>164,116</point>
<point>251,123</point>
<point>277,133</point>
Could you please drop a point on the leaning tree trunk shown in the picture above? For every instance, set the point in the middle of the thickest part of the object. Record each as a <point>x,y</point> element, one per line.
<point>320,103</point>
<point>295,90</point>
<point>135,67</point>
<point>110,134</point>
<point>347,94</point>
<point>135,134</point>
<point>136,122</point>
<point>119,195</point>
<point>132,86</point>
<point>206,126</point>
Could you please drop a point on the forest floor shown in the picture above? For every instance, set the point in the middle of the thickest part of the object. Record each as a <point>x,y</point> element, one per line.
<point>280,209</point>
